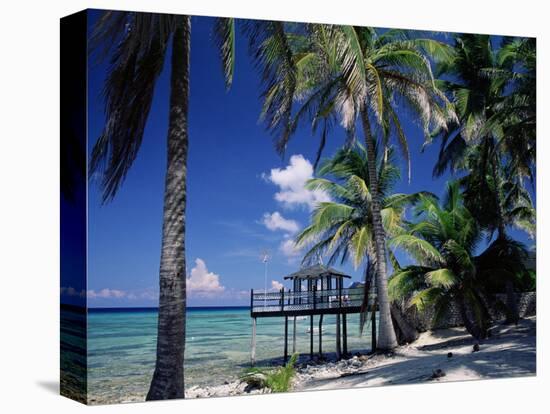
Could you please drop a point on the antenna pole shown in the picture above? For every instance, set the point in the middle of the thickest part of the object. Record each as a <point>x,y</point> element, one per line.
<point>265,258</point>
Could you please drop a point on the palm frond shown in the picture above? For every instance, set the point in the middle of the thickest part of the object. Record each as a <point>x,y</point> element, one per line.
<point>224,34</point>
<point>135,66</point>
<point>417,247</point>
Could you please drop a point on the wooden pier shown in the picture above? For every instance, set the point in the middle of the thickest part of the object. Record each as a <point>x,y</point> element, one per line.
<point>317,290</point>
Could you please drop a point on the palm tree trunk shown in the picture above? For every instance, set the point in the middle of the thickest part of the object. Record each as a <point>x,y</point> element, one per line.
<point>168,377</point>
<point>386,334</point>
<point>512,311</point>
<point>405,332</point>
<point>478,332</point>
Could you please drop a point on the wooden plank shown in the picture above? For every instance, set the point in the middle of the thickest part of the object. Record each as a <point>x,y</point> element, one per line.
<point>259,313</point>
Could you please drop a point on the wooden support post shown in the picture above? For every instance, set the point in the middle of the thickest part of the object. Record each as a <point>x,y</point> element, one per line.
<point>294,337</point>
<point>311,336</point>
<point>345,329</point>
<point>253,352</point>
<point>286,338</point>
<point>321,336</point>
<point>338,344</point>
<point>373,326</point>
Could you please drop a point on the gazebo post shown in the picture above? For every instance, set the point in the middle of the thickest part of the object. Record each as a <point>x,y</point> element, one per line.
<point>253,352</point>
<point>338,344</point>
<point>321,336</point>
<point>294,337</point>
<point>345,329</point>
<point>286,338</point>
<point>311,337</point>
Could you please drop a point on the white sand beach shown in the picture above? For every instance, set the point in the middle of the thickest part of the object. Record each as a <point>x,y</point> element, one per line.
<point>509,352</point>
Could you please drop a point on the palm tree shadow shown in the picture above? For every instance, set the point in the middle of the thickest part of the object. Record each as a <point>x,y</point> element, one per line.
<point>50,386</point>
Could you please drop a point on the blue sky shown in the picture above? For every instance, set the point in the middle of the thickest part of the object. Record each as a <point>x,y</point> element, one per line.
<point>242,197</point>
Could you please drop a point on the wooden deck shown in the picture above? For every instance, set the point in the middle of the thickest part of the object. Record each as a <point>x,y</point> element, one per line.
<point>316,302</point>
<point>290,304</point>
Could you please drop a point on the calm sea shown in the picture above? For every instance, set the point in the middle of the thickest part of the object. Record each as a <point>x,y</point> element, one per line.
<point>121,346</point>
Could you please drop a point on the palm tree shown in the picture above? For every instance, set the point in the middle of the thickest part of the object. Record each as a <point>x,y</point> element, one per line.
<point>481,145</point>
<point>343,227</point>
<point>350,74</point>
<point>516,113</point>
<point>137,60</point>
<point>443,243</point>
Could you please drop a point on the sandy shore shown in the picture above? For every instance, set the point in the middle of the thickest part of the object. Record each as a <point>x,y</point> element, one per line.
<point>509,352</point>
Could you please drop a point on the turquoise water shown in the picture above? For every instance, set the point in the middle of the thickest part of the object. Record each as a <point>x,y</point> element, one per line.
<point>121,347</point>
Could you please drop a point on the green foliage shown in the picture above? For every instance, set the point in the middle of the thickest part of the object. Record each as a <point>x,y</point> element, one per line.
<point>326,75</point>
<point>493,140</point>
<point>343,228</point>
<point>443,242</point>
<point>277,379</point>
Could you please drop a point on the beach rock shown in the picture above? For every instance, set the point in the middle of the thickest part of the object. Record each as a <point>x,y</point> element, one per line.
<point>255,380</point>
<point>438,373</point>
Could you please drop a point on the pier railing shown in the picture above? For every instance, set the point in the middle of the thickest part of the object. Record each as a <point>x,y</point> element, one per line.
<point>323,301</point>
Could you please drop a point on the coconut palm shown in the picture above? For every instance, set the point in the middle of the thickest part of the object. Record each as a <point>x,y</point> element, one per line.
<point>349,75</point>
<point>516,114</point>
<point>343,227</point>
<point>443,243</point>
<point>480,143</point>
<point>137,44</point>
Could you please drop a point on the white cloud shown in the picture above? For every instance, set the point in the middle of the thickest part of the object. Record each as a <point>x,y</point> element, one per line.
<point>275,221</point>
<point>203,283</point>
<point>107,294</point>
<point>276,285</point>
<point>71,291</point>
<point>291,181</point>
<point>289,248</point>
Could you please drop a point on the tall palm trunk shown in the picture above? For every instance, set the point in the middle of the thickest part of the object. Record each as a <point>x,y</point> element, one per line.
<point>405,332</point>
<point>473,328</point>
<point>386,334</point>
<point>512,311</point>
<point>168,377</point>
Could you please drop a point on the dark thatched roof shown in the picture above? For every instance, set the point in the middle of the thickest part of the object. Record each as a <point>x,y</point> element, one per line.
<point>316,272</point>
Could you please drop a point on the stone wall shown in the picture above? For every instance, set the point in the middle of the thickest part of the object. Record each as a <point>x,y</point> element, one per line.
<point>423,321</point>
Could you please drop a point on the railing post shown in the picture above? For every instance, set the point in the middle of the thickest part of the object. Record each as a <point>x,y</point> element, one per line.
<point>314,296</point>
<point>251,300</point>
<point>340,292</point>
<point>282,299</point>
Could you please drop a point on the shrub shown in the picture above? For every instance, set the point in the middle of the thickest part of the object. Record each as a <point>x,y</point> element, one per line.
<point>276,379</point>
